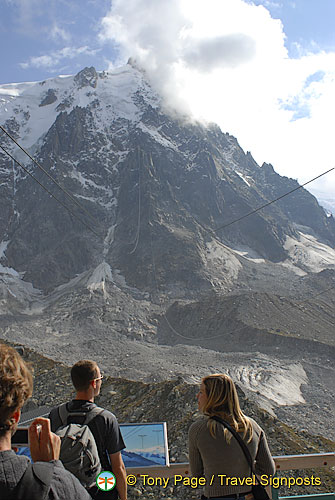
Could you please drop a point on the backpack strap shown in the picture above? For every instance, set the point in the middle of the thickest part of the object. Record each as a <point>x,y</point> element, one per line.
<point>35,482</point>
<point>103,454</point>
<point>91,414</point>
<point>64,413</point>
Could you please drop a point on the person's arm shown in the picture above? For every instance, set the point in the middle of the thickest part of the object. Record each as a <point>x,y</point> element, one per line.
<point>196,465</point>
<point>44,445</point>
<point>119,471</point>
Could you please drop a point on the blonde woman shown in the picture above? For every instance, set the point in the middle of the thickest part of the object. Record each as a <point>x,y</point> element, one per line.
<point>214,452</point>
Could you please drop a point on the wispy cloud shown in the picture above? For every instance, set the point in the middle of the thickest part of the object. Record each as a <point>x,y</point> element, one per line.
<point>53,59</point>
<point>40,18</point>
<point>227,62</point>
<point>58,33</point>
<point>270,3</point>
<point>28,14</point>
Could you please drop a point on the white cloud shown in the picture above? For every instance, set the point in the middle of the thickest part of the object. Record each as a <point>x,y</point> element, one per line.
<point>226,61</point>
<point>39,62</point>
<point>54,58</point>
<point>270,4</point>
<point>225,51</point>
<point>57,33</point>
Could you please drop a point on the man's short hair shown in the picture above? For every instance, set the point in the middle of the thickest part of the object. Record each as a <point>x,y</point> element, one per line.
<point>82,373</point>
<point>16,385</point>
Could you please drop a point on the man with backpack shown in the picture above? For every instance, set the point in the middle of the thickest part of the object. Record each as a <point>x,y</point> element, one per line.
<point>91,437</point>
<point>46,478</point>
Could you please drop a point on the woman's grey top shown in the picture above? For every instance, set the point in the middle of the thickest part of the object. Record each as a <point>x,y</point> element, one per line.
<point>224,465</point>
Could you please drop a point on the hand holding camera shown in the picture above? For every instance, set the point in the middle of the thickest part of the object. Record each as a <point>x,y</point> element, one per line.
<point>44,444</point>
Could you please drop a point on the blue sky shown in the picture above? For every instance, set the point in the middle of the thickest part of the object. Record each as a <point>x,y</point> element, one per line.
<point>309,23</point>
<point>67,31</point>
<point>64,31</point>
<point>153,437</point>
<point>264,70</point>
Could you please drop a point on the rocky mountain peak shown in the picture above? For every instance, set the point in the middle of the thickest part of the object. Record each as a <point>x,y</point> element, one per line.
<point>87,77</point>
<point>49,98</point>
<point>151,181</point>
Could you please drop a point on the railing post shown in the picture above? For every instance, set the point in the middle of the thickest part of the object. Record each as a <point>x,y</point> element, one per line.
<point>274,493</point>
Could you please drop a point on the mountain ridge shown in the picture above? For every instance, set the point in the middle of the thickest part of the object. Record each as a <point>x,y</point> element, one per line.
<point>154,130</point>
<point>158,187</point>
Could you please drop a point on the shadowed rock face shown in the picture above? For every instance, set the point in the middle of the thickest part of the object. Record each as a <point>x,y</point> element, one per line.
<point>234,324</point>
<point>159,192</point>
<point>156,188</point>
<point>159,181</point>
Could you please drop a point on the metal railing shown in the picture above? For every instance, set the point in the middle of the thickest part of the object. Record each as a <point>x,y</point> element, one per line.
<point>283,463</point>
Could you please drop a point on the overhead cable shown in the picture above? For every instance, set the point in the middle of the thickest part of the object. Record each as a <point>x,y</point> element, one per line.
<point>49,192</point>
<point>316,295</point>
<point>270,202</point>
<point>240,328</point>
<point>69,195</point>
<point>137,237</point>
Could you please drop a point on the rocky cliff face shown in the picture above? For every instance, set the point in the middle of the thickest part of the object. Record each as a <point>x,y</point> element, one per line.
<point>158,192</point>
<point>156,187</point>
<point>157,291</point>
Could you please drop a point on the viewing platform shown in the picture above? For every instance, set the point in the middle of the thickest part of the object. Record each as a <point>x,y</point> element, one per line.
<point>283,463</point>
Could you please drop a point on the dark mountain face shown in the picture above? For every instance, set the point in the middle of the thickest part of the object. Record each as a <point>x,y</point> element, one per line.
<point>155,187</point>
<point>156,272</point>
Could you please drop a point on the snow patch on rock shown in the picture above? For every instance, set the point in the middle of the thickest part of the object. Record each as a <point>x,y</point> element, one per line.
<point>3,247</point>
<point>13,286</point>
<point>97,279</point>
<point>281,385</point>
<point>222,259</point>
<point>244,178</point>
<point>308,253</point>
<point>248,253</point>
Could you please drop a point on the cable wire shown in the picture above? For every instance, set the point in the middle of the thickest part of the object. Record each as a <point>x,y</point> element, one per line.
<point>197,339</point>
<point>51,194</point>
<point>50,177</point>
<point>316,295</point>
<point>139,209</point>
<point>137,237</point>
<point>270,202</point>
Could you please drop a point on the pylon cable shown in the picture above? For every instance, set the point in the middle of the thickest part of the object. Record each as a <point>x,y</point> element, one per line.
<point>270,202</point>
<point>49,192</point>
<point>69,195</point>
<point>209,230</point>
<point>316,295</point>
<point>137,237</point>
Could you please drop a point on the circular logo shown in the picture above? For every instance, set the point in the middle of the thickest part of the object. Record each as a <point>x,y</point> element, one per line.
<point>106,481</point>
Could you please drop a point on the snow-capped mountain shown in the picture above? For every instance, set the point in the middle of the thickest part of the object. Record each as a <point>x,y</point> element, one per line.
<point>154,187</point>
<point>157,271</point>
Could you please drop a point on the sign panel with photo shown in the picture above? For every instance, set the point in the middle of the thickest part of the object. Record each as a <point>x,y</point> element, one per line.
<point>146,444</point>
